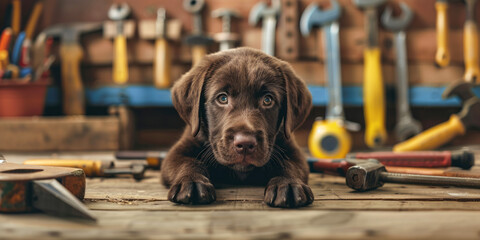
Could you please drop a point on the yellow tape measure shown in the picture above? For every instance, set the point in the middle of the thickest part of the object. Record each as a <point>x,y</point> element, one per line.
<point>329,139</point>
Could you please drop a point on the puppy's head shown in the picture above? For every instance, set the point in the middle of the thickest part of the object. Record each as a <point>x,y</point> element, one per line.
<point>240,100</point>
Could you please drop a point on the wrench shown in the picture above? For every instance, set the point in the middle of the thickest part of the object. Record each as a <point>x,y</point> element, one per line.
<point>269,15</point>
<point>406,126</point>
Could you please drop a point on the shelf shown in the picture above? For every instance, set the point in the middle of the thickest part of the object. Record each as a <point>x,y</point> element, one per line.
<point>149,96</point>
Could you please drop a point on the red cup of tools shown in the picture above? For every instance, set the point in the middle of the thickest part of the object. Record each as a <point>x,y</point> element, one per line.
<point>22,98</point>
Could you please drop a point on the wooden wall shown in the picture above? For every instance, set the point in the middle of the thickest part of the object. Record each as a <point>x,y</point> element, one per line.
<point>161,126</point>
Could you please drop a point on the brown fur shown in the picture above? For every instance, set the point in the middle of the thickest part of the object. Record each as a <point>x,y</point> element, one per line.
<point>206,154</point>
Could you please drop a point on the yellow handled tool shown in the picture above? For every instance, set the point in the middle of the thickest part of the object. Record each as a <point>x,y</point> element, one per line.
<point>470,44</point>
<point>374,99</point>
<point>118,12</point>
<point>32,22</point>
<point>92,168</point>
<point>442,57</point>
<point>16,16</point>
<point>162,64</point>
<point>162,61</point>
<point>433,137</point>
<point>198,52</point>
<point>197,40</point>
<point>72,86</point>
<point>120,61</point>
<point>329,139</point>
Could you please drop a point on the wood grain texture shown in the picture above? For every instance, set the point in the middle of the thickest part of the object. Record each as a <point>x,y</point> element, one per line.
<point>57,133</point>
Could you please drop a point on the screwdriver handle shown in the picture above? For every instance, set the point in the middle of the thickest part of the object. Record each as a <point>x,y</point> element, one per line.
<point>429,180</point>
<point>442,57</point>
<point>337,166</point>
<point>470,51</point>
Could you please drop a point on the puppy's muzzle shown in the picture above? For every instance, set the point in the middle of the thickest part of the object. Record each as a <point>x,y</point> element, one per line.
<point>245,144</point>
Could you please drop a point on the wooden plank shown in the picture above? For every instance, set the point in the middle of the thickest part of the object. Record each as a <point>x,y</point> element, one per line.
<point>292,224</point>
<point>59,133</point>
<point>223,205</point>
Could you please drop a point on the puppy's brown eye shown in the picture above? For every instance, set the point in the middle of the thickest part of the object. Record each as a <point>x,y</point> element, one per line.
<point>267,100</point>
<point>222,98</point>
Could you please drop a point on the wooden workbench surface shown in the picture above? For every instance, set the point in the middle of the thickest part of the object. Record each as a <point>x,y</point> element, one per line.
<point>140,210</point>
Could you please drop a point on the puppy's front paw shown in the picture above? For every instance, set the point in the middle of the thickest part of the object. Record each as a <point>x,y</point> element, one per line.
<point>192,192</point>
<point>287,193</point>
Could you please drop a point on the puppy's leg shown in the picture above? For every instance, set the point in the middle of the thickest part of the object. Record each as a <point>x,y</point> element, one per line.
<point>186,176</point>
<point>289,189</point>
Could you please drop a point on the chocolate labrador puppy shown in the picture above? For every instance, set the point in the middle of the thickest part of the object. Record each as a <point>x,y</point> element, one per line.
<point>240,107</point>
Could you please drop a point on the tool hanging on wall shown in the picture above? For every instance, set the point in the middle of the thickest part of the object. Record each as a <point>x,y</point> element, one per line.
<point>118,13</point>
<point>163,32</point>
<point>469,117</point>
<point>16,17</point>
<point>226,38</point>
<point>373,87</point>
<point>197,40</point>
<point>269,16</point>
<point>162,60</point>
<point>371,174</point>
<point>29,188</point>
<point>470,44</point>
<point>288,31</point>
<point>406,126</point>
<point>328,138</point>
<point>93,168</point>
<point>71,54</point>
<point>442,56</point>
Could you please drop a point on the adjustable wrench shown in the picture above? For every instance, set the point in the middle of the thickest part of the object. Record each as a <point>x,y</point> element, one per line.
<point>406,126</point>
<point>269,15</point>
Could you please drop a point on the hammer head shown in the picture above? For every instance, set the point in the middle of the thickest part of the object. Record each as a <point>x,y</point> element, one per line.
<point>461,89</point>
<point>261,10</point>
<point>368,3</point>
<point>365,176</point>
<point>225,12</point>
<point>70,32</point>
<point>313,16</point>
<point>399,23</point>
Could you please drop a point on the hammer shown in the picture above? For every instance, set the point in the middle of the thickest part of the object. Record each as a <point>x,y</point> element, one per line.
<point>198,40</point>
<point>438,135</point>
<point>373,89</point>
<point>71,54</point>
<point>226,38</point>
<point>372,174</point>
<point>269,15</point>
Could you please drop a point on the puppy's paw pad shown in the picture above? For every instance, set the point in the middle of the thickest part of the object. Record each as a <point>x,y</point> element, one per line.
<point>189,192</point>
<point>288,194</point>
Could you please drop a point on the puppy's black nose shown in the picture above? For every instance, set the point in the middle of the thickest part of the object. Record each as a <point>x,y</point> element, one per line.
<point>244,143</point>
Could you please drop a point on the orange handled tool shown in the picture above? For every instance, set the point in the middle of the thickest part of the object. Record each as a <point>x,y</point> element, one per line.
<point>434,172</point>
<point>442,57</point>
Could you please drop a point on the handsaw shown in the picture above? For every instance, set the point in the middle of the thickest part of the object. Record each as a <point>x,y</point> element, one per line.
<point>53,190</point>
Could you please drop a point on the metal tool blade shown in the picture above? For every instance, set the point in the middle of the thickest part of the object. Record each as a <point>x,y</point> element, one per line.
<point>52,198</point>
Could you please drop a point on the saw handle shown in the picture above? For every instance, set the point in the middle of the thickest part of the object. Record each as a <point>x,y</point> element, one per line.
<point>374,99</point>
<point>162,64</point>
<point>442,57</point>
<point>470,51</point>
<point>73,92</point>
<point>433,137</point>
<point>198,52</point>
<point>120,62</point>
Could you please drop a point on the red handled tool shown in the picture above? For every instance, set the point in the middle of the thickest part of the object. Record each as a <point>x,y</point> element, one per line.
<point>426,159</point>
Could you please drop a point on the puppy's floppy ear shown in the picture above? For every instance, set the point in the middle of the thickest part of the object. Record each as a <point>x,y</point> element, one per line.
<point>298,100</point>
<point>187,92</point>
